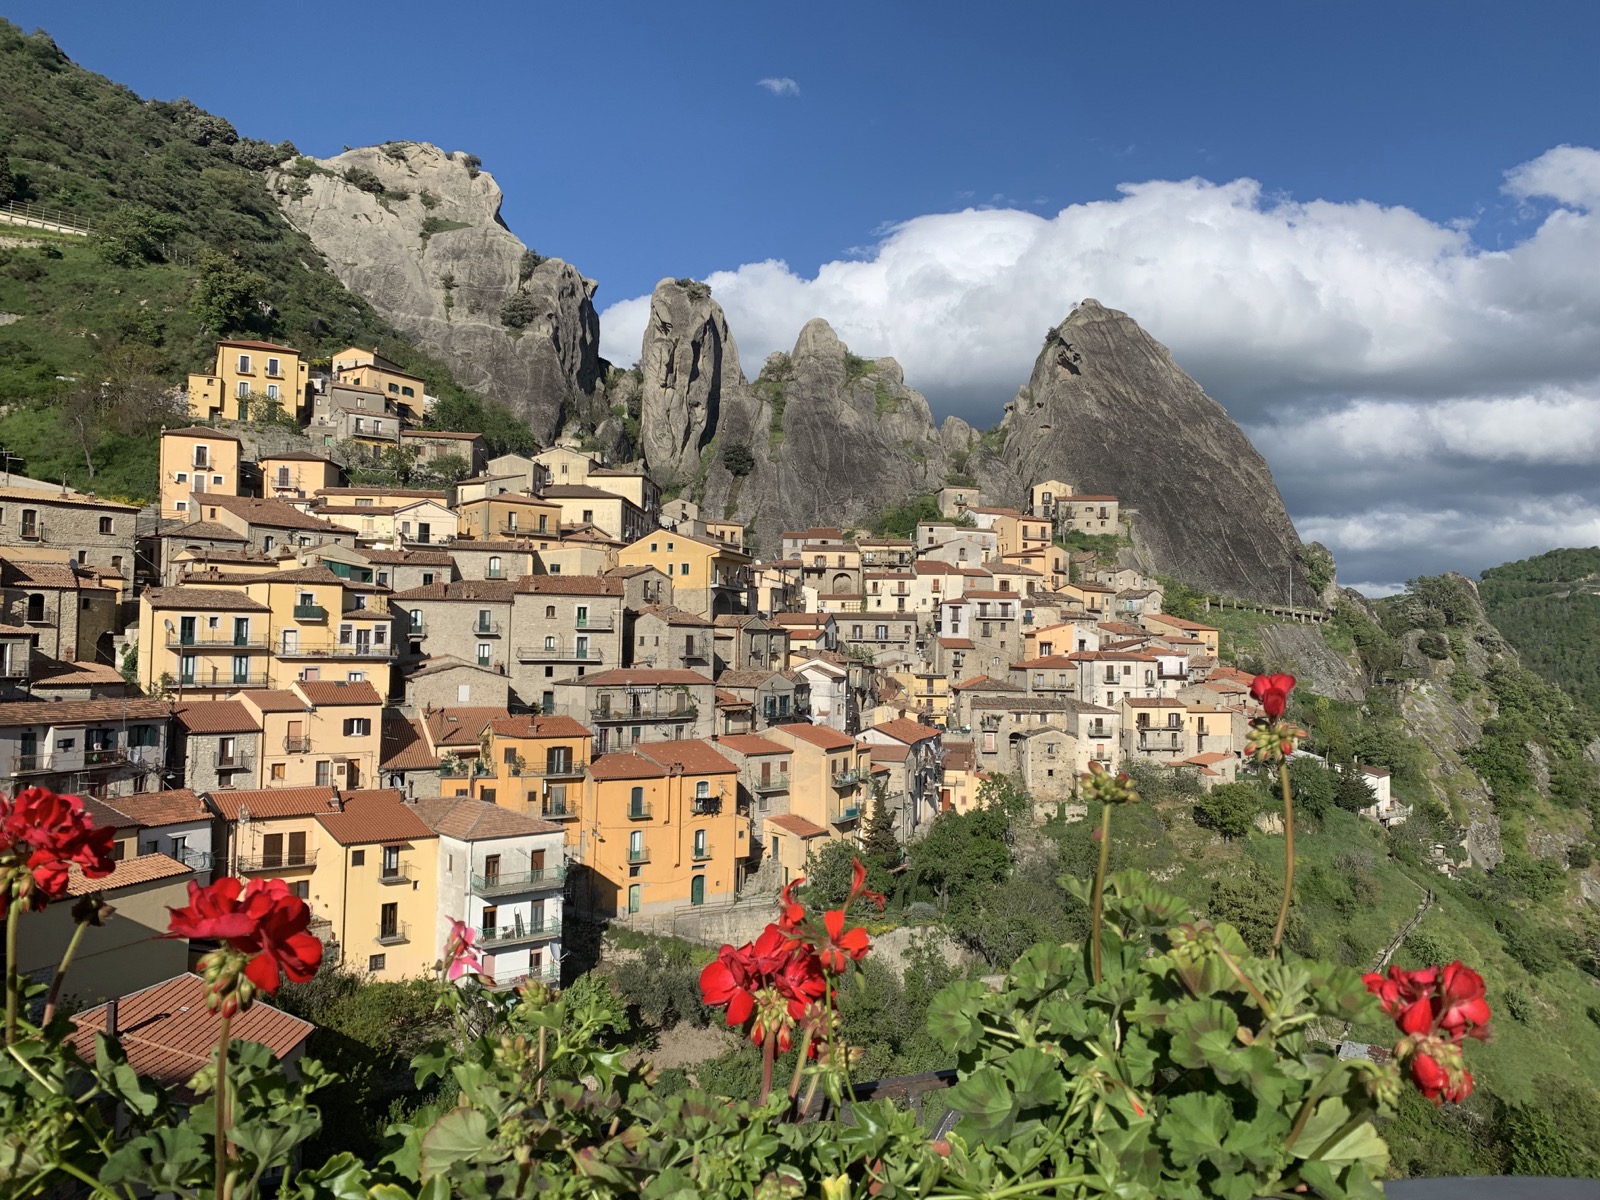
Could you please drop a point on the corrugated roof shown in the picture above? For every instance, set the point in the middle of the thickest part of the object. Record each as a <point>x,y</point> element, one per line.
<point>374,816</point>
<point>169,1033</point>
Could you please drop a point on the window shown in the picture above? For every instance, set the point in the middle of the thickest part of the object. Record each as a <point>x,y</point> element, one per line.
<point>244,390</point>
<point>416,620</point>
<point>633,888</point>
<point>683,568</point>
<point>391,860</point>
<point>277,773</point>
<point>549,612</point>
<point>357,726</point>
<point>636,804</point>
<point>30,523</point>
<point>244,364</point>
<point>588,515</point>
<point>272,391</point>
<point>301,888</point>
<point>324,773</point>
<point>358,858</point>
<point>485,652</point>
<point>375,962</point>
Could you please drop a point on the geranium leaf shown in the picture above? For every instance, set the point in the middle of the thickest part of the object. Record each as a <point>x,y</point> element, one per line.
<point>955,1018</point>
<point>1035,1078</point>
<point>461,1133</point>
<point>985,1104</point>
<point>1195,1126</point>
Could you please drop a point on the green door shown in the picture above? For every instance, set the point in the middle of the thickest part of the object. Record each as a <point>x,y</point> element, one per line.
<point>697,890</point>
<point>633,897</point>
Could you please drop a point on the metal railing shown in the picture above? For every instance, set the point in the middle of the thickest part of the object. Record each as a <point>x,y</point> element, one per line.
<point>640,811</point>
<point>104,756</point>
<point>599,624</point>
<point>394,935</point>
<point>568,770</point>
<point>639,854</point>
<point>778,783</point>
<point>310,612</point>
<point>400,873</point>
<point>846,815</point>
<point>297,745</point>
<point>276,862</point>
<point>646,712</point>
<point>701,853</point>
<point>529,654</point>
<point>546,973</point>
<point>844,780</point>
<point>506,882</point>
<point>236,762</point>
<point>490,936</point>
<point>197,860</point>
<point>559,811</point>
<point>489,628</point>
<point>339,650</point>
<point>219,642</point>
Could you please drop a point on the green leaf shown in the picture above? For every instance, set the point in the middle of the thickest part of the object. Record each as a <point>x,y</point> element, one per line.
<point>1195,1126</point>
<point>1194,1022</point>
<point>1043,968</point>
<point>271,1139</point>
<point>1329,1137</point>
<point>1035,1078</point>
<point>985,1103</point>
<point>164,1159</point>
<point>460,1134</point>
<point>955,1018</point>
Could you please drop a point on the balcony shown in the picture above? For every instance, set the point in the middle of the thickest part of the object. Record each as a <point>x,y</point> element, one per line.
<point>646,712</point>
<point>33,533</point>
<point>277,862</point>
<point>559,810</point>
<point>236,762</point>
<point>297,745</point>
<point>104,756</point>
<point>196,860</point>
<point>496,937</point>
<point>359,649</point>
<point>32,762</point>
<point>845,780</point>
<point>701,853</point>
<point>778,783</point>
<point>220,641</point>
<point>533,654</point>
<point>397,874</point>
<point>310,612</point>
<point>546,973</point>
<point>482,628</point>
<point>845,815</point>
<point>394,935</point>
<point>255,679</point>
<point>464,769</point>
<point>508,882</point>
<point>599,624</point>
<point>640,811</point>
<point>557,770</point>
<point>638,854</point>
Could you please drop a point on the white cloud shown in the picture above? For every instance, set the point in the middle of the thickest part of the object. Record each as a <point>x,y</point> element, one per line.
<point>780,86</point>
<point>1284,309</point>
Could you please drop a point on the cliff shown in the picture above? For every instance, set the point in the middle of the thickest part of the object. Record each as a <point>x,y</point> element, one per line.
<point>417,231</point>
<point>1108,410</point>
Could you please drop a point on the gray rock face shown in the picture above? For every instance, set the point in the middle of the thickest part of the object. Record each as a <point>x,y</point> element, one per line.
<point>1108,410</point>
<point>833,438</point>
<point>440,265</point>
<point>1302,651</point>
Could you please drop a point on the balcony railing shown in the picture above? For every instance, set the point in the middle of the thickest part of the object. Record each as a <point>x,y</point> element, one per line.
<point>466,768</point>
<point>399,873</point>
<point>221,641</point>
<point>277,862</point>
<point>640,811</point>
<point>845,815</point>
<point>104,756</point>
<point>197,860</point>
<point>548,973</point>
<point>530,654</point>
<point>646,712</point>
<point>297,745</point>
<point>494,936</point>
<point>394,935</point>
<point>253,679</point>
<point>778,783</point>
<point>844,780</point>
<point>310,612</point>
<point>638,854</point>
<point>506,882</point>
<point>490,628</point>
<point>701,853</point>
<point>32,762</point>
<point>559,770</point>
<point>559,810</point>
<point>600,623</point>
<point>236,762</point>
<point>340,650</point>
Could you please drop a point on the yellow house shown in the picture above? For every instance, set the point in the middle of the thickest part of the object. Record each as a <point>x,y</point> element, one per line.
<point>203,643</point>
<point>1045,494</point>
<point>509,514</point>
<point>661,828</point>
<point>535,765</point>
<point>318,734</point>
<point>708,578</point>
<point>195,461</point>
<point>369,523</point>
<point>927,693</point>
<point>250,374</point>
<point>296,474</point>
<point>369,369</point>
<point>962,779</point>
<point>830,779</point>
<point>789,840</point>
<point>1160,623</point>
<point>562,464</point>
<point>729,533</point>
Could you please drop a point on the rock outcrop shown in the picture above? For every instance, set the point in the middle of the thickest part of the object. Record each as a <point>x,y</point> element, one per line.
<point>1108,410</point>
<point>686,360</point>
<point>417,231</point>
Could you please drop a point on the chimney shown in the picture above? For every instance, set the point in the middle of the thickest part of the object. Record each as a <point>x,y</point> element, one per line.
<point>111,1017</point>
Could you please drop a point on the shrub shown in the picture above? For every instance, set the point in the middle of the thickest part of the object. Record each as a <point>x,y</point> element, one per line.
<point>256,155</point>
<point>519,311</point>
<point>738,459</point>
<point>529,264</point>
<point>1229,808</point>
<point>364,179</point>
<point>474,165</point>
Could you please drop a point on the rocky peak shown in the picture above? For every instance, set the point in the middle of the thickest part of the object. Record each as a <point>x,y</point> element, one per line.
<point>1108,409</point>
<point>687,358</point>
<point>417,231</point>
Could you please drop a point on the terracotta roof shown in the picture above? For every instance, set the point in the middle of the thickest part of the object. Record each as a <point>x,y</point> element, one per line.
<point>673,616</point>
<point>297,456</point>
<point>626,766</point>
<point>729,700</point>
<point>211,598</point>
<point>799,826</point>
<point>440,433</point>
<point>420,493</point>
<point>1118,655</point>
<point>169,1033</point>
<point>127,872</point>
<point>532,725</point>
<point>79,712</point>
<point>315,574</point>
<point>984,683</point>
<point>350,510</point>
<point>1096,499</point>
<point>638,677</point>
<point>955,643</point>
<point>693,756</point>
<point>909,732</point>
<point>812,534</point>
<point>495,591</point>
<point>329,693</point>
<point>405,746</point>
<point>1209,759</point>
<point>205,531</point>
<point>277,700</point>
<point>453,727</point>
<point>103,814</point>
<point>1048,660</point>
<point>199,431</point>
<point>275,514</point>
<point>54,672</point>
<point>799,618</point>
<point>890,753</point>
<point>750,745</point>
<point>749,677</point>
<point>273,802</point>
<point>408,558</point>
<point>818,735</point>
<point>477,820</point>
<point>569,585</point>
<point>174,807</point>
<point>49,575</point>
<point>374,816</point>
<point>1152,702</point>
<point>960,756</point>
<point>1181,623</point>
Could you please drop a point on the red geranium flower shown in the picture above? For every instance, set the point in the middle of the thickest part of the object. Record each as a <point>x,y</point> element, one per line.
<point>1273,693</point>
<point>794,913</point>
<point>1434,1008</point>
<point>724,982</point>
<point>844,946</point>
<point>860,890</point>
<point>265,922</point>
<point>42,835</point>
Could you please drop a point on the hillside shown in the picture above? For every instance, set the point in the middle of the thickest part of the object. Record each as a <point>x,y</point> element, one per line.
<point>189,246</point>
<point>1548,607</point>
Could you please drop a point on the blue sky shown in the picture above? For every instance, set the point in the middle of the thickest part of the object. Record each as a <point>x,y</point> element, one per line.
<point>1369,229</point>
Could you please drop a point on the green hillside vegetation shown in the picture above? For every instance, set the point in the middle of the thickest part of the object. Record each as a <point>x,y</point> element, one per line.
<point>1549,609</point>
<point>189,246</point>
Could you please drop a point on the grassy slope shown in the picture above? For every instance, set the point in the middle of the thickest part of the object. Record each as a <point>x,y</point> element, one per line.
<point>80,142</point>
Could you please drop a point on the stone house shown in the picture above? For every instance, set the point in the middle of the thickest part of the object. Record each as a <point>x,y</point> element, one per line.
<point>1087,514</point>
<point>447,681</point>
<point>70,614</point>
<point>630,706</point>
<point>219,745</point>
<point>1154,728</point>
<point>499,558</point>
<point>467,619</point>
<point>94,747</point>
<point>774,697</point>
<point>176,823</point>
<point>269,525</point>
<point>923,774</point>
<point>69,528</point>
<point>763,777</point>
<point>1106,676</point>
<point>564,626</point>
<point>402,570</point>
<point>743,641</point>
<point>406,761</point>
<point>433,444</point>
<point>668,639</point>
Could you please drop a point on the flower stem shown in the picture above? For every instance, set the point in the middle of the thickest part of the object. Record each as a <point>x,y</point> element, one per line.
<point>1288,855</point>
<point>13,979</point>
<point>1100,887</point>
<point>221,1148</point>
<point>1310,1103</point>
<point>61,972</point>
<point>768,1051</point>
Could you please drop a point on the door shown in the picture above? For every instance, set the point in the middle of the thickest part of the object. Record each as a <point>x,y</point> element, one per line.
<point>272,850</point>
<point>491,923</point>
<point>581,646</point>
<point>291,641</point>
<point>633,897</point>
<point>491,870</point>
<point>241,631</point>
<point>583,616</point>
<point>297,849</point>
<point>186,630</point>
<point>697,890</point>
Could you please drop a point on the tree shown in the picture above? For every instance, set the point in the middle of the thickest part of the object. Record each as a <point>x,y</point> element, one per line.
<point>1351,792</point>
<point>8,181</point>
<point>1313,786</point>
<point>518,311</point>
<point>738,458</point>
<point>1248,900</point>
<point>878,843</point>
<point>224,296</point>
<point>448,468</point>
<point>529,264</point>
<point>1229,808</point>
<point>131,235</point>
<point>829,871</point>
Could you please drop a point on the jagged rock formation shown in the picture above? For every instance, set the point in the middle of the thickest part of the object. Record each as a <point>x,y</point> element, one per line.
<point>418,233</point>
<point>1302,651</point>
<point>833,438</point>
<point>1108,410</point>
